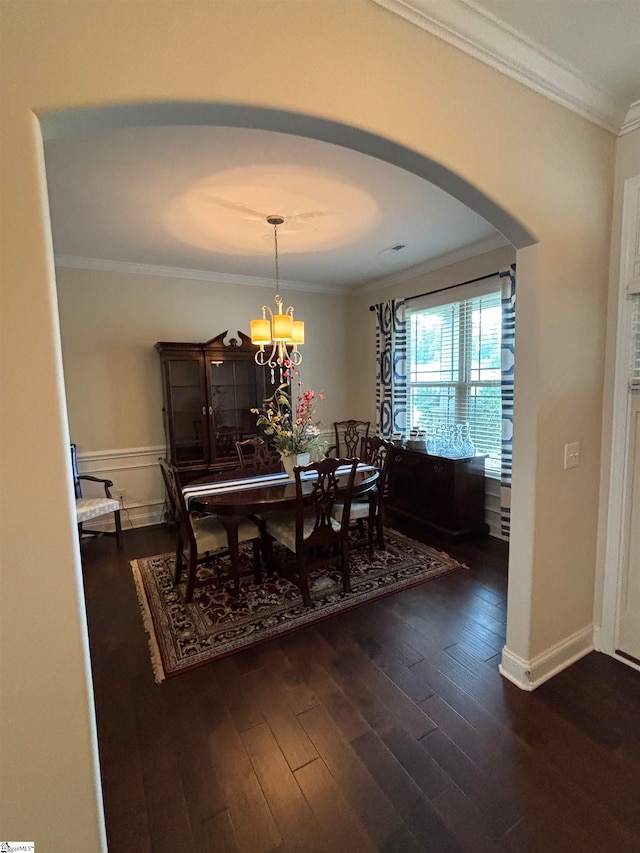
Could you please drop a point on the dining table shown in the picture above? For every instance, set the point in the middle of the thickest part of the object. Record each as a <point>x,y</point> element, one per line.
<point>232,497</point>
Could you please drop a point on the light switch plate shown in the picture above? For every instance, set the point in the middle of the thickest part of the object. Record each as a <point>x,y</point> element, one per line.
<point>572,455</point>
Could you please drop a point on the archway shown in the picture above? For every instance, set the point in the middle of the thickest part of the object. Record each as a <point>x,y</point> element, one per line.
<point>69,123</point>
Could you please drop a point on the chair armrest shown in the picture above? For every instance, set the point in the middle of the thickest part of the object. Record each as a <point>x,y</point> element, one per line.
<point>107,483</point>
<point>333,448</point>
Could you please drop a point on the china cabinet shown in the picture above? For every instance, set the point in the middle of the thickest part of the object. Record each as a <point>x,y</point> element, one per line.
<point>209,391</point>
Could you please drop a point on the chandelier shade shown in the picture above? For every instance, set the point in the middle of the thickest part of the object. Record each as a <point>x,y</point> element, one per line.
<point>282,327</point>
<point>261,332</point>
<point>277,329</point>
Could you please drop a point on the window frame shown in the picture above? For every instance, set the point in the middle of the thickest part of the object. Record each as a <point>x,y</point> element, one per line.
<point>462,384</point>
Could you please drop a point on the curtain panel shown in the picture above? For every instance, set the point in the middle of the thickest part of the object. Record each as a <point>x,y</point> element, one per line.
<point>391,368</point>
<point>508,287</point>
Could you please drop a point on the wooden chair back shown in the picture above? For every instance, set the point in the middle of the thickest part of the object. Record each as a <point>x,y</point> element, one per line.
<point>375,450</point>
<point>181,517</point>
<point>348,437</point>
<point>319,505</point>
<point>254,454</point>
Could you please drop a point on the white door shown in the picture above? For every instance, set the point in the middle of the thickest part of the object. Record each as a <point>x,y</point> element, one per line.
<point>628,611</point>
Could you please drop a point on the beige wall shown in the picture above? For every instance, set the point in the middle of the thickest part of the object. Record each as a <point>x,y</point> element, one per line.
<point>111,321</point>
<point>357,65</point>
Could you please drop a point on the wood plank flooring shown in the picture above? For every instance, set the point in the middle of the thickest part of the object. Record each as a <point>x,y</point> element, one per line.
<point>387,728</point>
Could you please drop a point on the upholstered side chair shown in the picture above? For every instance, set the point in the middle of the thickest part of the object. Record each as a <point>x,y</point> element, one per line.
<point>89,508</point>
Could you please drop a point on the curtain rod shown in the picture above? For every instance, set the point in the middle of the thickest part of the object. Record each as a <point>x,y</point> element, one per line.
<point>450,287</point>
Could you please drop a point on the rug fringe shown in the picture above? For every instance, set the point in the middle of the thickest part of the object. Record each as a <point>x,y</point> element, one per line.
<point>154,650</point>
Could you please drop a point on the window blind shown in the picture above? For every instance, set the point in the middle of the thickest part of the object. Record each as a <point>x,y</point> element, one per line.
<point>453,370</point>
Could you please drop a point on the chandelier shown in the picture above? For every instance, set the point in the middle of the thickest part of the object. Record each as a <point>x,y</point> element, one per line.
<point>277,335</point>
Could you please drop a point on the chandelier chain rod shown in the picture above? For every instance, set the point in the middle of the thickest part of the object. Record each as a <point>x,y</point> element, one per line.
<point>275,240</point>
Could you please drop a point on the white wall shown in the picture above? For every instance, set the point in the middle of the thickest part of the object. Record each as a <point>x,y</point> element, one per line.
<point>516,158</point>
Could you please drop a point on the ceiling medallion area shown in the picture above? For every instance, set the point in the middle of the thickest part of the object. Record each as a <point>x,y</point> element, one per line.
<point>225,212</point>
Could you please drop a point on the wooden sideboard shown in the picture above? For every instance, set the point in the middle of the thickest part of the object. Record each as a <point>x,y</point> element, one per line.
<point>444,495</point>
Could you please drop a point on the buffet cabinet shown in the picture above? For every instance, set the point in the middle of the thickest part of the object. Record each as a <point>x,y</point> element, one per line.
<point>444,495</point>
<point>209,391</point>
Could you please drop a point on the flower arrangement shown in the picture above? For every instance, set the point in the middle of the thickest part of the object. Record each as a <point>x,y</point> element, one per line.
<point>291,429</point>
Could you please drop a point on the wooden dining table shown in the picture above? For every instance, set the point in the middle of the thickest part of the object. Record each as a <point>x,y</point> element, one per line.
<point>231,498</point>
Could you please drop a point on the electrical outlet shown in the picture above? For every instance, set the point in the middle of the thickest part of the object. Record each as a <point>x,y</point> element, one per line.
<point>572,455</point>
<point>121,495</point>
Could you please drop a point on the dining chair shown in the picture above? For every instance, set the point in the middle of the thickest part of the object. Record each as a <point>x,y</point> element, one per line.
<point>348,437</point>
<point>256,457</point>
<point>254,454</point>
<point>311,532</point>
<point>370,508</point>
<point>88,508</point>
<point>199,540</point>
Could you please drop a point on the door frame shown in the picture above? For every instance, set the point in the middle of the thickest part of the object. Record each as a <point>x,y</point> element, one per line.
<point>616,519</point>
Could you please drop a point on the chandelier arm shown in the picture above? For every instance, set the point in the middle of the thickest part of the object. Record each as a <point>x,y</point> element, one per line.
<point>261,357</point>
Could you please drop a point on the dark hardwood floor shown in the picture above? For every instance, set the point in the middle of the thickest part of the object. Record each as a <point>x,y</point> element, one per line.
<point>387,728</point>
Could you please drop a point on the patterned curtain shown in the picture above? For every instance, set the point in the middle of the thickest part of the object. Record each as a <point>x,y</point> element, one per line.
<point>391,361</point>
<point>508,285</point>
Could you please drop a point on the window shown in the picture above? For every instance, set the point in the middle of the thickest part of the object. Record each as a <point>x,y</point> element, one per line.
<point>453,366</point>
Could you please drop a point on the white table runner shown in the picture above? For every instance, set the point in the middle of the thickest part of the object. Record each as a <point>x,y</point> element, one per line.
<point>256,482</point>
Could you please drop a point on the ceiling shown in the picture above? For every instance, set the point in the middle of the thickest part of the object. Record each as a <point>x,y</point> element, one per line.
<point>194,199</point>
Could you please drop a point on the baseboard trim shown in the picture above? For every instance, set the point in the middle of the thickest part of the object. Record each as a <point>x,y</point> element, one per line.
<point>527,675</point>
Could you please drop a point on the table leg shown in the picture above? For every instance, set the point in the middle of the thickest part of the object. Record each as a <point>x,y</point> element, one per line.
<point>231,523</point>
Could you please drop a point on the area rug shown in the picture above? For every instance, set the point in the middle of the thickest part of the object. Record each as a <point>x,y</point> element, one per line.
<point>217,623</point>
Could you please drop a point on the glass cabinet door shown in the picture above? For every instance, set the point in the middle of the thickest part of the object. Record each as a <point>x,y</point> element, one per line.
<point>235,387</point>
<point>187,412</point>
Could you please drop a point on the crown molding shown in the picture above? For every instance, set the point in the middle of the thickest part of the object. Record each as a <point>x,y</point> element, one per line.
<point>632,120</point>
<point>475,31</point>
<point>471,251</point>
<point>129,268</point>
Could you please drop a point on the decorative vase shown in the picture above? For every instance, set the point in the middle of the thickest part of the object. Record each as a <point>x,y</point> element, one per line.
<point>295,459</point>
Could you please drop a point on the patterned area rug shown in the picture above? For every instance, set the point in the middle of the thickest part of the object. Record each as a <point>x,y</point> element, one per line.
<point>217,622</point>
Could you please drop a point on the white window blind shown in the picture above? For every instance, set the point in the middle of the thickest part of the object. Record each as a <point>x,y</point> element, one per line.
<point>634,381</point>
<point>453,369</point>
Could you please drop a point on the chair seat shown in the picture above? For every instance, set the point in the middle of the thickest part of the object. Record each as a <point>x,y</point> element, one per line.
<point>87,508</point>
<point>282,526</point>
<point>359,509</point>
<point>211,535</point>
